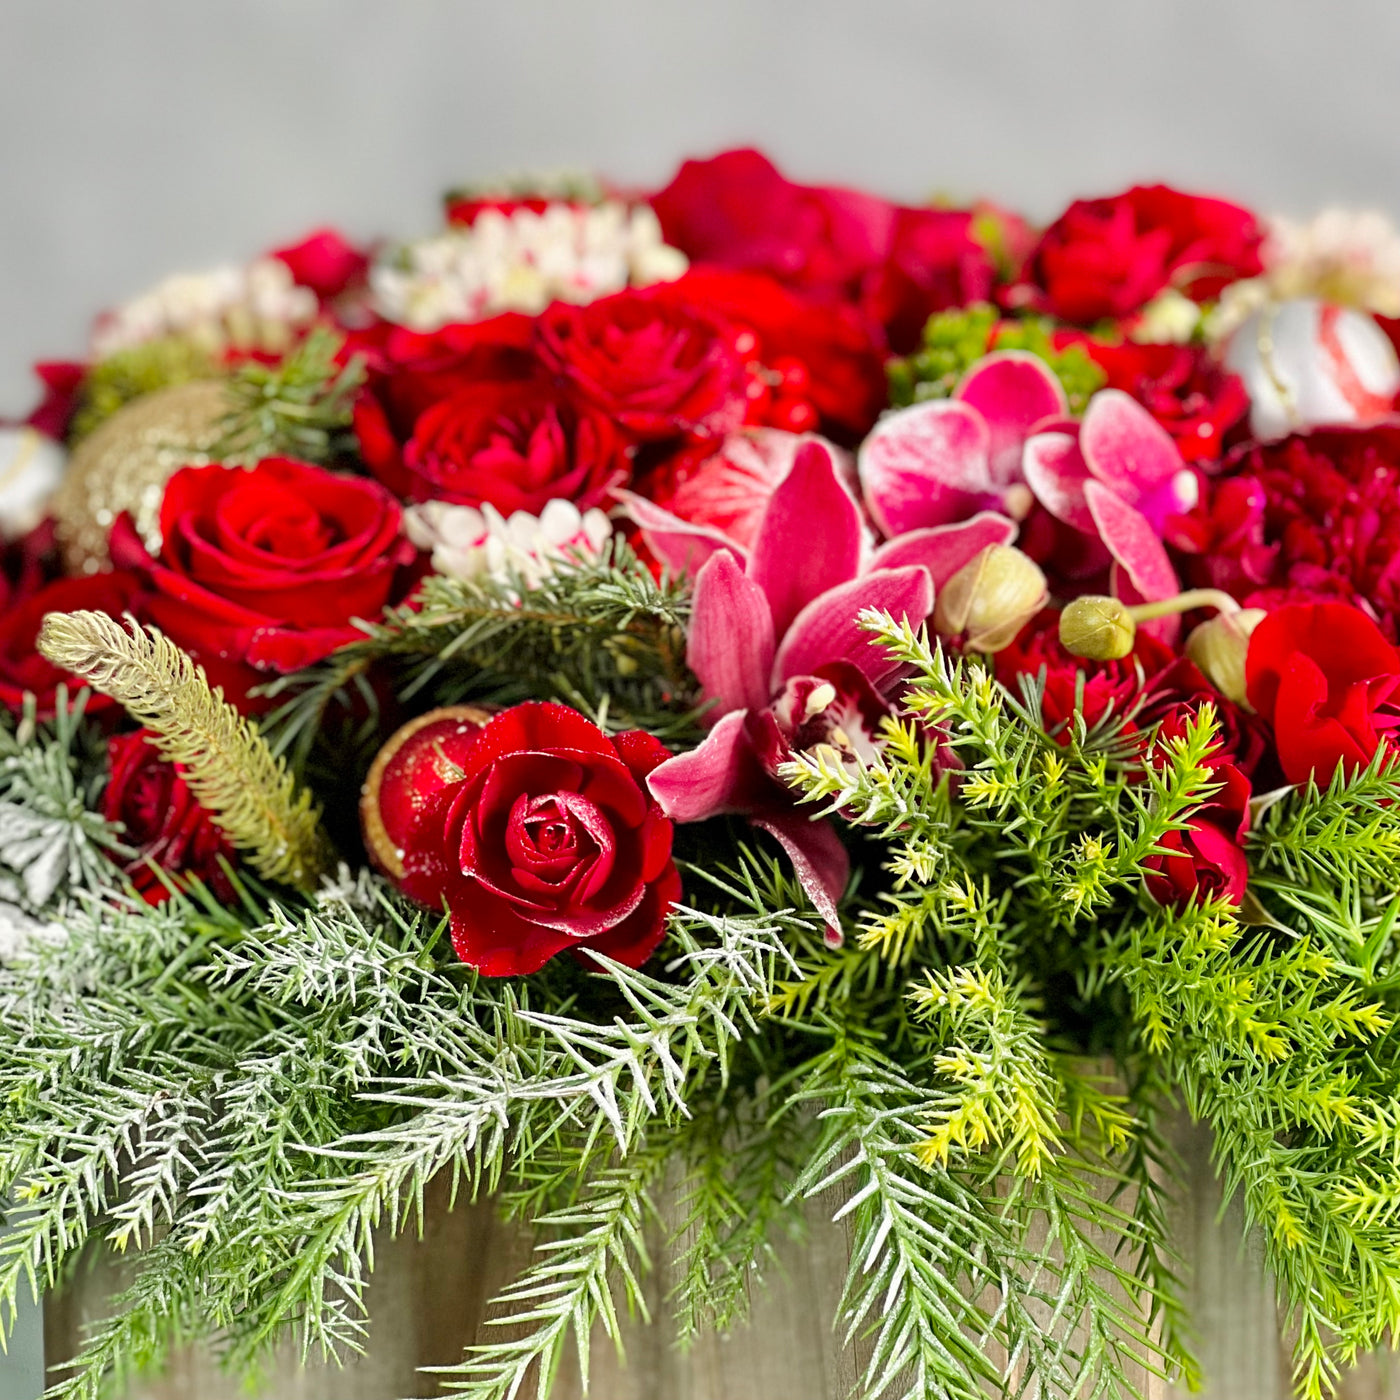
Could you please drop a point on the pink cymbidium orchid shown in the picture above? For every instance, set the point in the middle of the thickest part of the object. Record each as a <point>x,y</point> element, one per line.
<point>777,645</point>
<point>1005,442</point>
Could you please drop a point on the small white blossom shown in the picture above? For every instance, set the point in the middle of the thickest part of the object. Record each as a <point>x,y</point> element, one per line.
<point>253,305</point>
<point>469,543</point>
<point>522,261</point>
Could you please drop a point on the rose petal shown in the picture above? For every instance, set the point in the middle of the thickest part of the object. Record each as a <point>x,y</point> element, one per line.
<point>944,549</point>
<point>731,636</point>
<point>810,536</point>
<point>828,629</point>
<point>927,465</point>
<point>1013,390</point>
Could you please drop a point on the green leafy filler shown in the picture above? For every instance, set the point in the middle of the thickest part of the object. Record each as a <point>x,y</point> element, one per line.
<point>238,1096</point>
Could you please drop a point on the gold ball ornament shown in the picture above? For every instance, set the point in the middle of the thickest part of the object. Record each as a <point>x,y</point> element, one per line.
<point>125,463</point>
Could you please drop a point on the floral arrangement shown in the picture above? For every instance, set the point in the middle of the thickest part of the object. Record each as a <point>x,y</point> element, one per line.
<point>749,686</point>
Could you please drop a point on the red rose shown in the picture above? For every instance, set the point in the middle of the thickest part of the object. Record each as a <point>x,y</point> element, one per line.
<point>264,569</point>
<point>657,366</point>
<point>548,841</point>
<point>22,669</point>
<point>1107,258</point>
<point>160,818</point>
<point>1181,386</point>
<point>325,261</point>
<point>834,347</point>
<point>1324,678</point>
<point>1206,861</point>
<point>736,210</point>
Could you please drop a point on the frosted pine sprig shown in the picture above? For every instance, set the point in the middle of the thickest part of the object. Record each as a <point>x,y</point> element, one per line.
<point>233,774</point>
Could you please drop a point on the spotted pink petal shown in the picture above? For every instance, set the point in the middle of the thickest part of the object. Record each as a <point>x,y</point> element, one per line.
<point>721,775</point>
<point>828,628</point>
<point>926,465</point>
<point>810,536</point>
<point>1014,391</point>
<point>944,549</point>
<point>1124,446</point>
<point>1143,574</point>
<point>1056,473</point>
<point>731,637</point>
<point>820,860</point>
<point>682,548</point>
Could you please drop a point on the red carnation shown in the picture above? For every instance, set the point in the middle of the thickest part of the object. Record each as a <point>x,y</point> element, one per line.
<point>1324,678</point>
<point>1106,258</point>
<point>659,367</point>
<point>549,840</point>
<point>159,817</point>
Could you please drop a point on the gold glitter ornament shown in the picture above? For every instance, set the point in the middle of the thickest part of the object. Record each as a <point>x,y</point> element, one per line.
<point>126,461</point>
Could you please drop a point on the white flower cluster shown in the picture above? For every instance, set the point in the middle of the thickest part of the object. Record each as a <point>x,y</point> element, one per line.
<point>522,261</point>
<point>468,543</point>
<point>254,305</point>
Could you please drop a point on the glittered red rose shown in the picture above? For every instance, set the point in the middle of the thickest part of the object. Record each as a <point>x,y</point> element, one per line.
<point>542,838</point>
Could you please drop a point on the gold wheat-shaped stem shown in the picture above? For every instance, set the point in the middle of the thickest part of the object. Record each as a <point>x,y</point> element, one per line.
<point>230,769</point>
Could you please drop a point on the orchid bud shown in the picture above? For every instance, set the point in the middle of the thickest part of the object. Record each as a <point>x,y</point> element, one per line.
<point>1097,628</point>
<point>990,599</point>
<point>1219,647</point>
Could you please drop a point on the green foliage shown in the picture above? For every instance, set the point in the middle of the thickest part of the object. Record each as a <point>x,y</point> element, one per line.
<point>598,633</point>
<point>953,341</point>
<point>126,375</point>
<point>299,407</point>
<point>977,1080</point>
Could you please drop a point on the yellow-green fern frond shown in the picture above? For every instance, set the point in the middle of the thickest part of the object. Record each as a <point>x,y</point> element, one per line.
<point>228,765</point>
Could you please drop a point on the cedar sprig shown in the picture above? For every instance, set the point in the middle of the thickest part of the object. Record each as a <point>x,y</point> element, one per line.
<point>247,791</point>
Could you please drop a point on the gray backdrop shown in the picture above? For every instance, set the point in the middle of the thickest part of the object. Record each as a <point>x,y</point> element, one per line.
<point>154,135</point>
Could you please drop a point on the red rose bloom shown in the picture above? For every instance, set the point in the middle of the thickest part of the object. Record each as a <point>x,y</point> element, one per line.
<point>549,841</point>
<point>1106,258</point>
<point>160,818</point>
<point>659,367</point>
<point>264,569</point>
<point>1205,861</point>
<point>514,445</point>
<point>22,669</point>
<point>1324,678</point>
<point>325,261</point>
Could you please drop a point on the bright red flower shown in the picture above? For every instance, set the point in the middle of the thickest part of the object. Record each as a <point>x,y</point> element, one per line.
<point>1324,677</point>
<point>649,361</point>
<point>22,670</point>
<point>263,570</point>
<point>325,261</point>
<point>159,817</point>
<point>1106,258</point>
<point>1206,861</point>
<point>548,841</point>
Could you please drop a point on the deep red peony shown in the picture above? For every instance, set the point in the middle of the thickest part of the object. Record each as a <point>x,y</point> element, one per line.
<point>22,670</point>
<point>264,570</point>
<point>648,360</point>
<point>549,840</point>
<point>161,820</point>
<point>1323,676</point>
<point>1109,257</point>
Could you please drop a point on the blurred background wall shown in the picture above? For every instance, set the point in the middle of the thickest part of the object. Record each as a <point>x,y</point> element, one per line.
<point>156,135</point>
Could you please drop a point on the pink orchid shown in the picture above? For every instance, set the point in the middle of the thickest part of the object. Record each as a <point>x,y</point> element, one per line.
<point>766,621</point>
<point>1004,442</point>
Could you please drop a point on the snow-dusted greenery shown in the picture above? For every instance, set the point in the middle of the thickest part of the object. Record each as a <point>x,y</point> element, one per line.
<point>236,1095</point>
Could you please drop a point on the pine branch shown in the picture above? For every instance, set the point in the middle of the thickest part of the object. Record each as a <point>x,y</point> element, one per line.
<point>229,768</point>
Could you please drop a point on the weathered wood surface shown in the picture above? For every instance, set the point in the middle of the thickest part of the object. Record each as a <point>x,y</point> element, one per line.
<point>428,1298</point>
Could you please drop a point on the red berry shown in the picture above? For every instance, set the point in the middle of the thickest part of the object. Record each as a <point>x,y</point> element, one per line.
<point>795,415</point>
<point>793,375</point>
